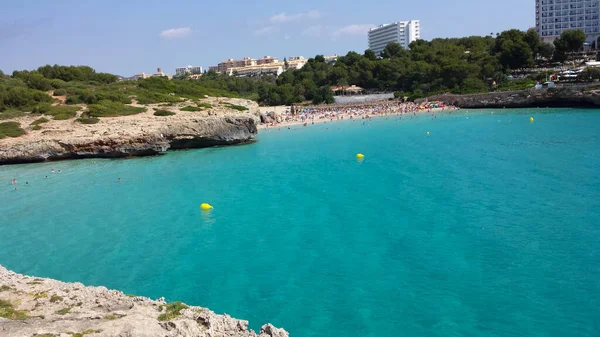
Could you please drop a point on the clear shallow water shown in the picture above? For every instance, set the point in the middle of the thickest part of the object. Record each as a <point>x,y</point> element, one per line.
<point>490,226</point>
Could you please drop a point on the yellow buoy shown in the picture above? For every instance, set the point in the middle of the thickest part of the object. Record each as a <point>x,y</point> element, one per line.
<point>205,207</point>
<point>531,119</point>
<point>360,156</point>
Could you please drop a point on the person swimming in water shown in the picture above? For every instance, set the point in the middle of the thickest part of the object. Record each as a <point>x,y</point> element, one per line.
<point>14,181</point>
<point>52,171</point>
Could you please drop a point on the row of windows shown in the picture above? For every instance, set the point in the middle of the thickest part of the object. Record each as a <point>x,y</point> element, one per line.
<point>577,6</point>
<point>558,32</point>
<point>589,18</point>
<point>572,12</point>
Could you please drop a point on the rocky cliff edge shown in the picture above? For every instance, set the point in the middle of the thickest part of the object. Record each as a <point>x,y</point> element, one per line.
<point>142,134</point>
<point>39,307</point>
<point>564,95</point>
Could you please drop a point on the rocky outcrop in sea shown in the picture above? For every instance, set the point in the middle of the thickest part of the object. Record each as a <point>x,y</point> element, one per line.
<point>564,95</point>
<point>127,136</point>
<point>31,307</point>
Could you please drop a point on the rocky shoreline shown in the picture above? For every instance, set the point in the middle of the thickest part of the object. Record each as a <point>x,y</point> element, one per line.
<point>131,136</point>
<point>564,95</point>
<point>31,307</point>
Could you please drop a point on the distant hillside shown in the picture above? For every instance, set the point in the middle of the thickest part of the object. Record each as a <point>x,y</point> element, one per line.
<point>33,91</point>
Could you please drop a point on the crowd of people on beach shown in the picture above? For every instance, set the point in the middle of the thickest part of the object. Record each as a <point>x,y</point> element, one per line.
<point>308,115</point>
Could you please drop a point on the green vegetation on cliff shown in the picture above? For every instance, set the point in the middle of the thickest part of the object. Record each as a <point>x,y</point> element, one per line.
<point>107,108</point>
<point>172,311</point>
<point>11,129</point>
<point>9,312</point>
<point>31,91</point>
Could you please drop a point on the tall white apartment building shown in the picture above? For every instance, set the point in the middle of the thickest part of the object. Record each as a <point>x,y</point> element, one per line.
<point>552,17</point>
<point>403,32</point>
<point>188,70</point>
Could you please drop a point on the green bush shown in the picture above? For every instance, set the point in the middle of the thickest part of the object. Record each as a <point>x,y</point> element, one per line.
<point>11,129</point>
<point>7,311</point>
<point>36,127</point>
<point>63,112</point>
<point>73,100</point>
<point>41,108</point>
<point>205,105</point>
<point>113,109</point>
<point>57,84</point>
<point>55,298</point>
<point>173,310</point>
<point>156,97</point>
<point>163,113</point>
<point>40,121</point>
<point>91,120</point>
<point>190,108</point>
<point>236,107</point>
<point>60,92</point>
<point>63,311</point>
<point>11,114</point>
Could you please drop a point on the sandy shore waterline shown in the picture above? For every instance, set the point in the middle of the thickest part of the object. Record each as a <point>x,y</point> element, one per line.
<point>346,117</point>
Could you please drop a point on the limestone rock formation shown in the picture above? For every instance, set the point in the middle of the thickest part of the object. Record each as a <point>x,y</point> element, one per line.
<point>566,95</point>
<point>32,306</point>
<point>137,135</point>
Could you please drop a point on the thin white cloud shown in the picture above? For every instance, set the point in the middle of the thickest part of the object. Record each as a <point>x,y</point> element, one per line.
<point>266,30</point>
<point>360,29</point>
<point>284,17</point>
<point>287,37</point>
<point>175,33</point>
<point>314,31</point>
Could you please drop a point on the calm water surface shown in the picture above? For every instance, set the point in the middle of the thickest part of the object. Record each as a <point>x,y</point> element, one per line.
<point>489,226</point>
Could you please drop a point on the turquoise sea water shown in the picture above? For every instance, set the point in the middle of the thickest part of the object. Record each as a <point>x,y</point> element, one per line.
<point>489,226</point>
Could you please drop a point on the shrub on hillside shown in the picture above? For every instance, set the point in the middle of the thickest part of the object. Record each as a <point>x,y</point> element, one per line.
<point>190,108</point>
<point>11,129</point>
<point>163,113</point>
<point>112,109</point>
<point>236,107</point>
<point>91,120</point>
<point>40,121</point>
<point>63,112</point>
<point>41,108</point>
<point>60,92</point>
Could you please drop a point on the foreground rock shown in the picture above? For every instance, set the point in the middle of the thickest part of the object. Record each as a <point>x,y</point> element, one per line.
<point>565,95</point>
<point>45,307</point>
<point>137,135</point>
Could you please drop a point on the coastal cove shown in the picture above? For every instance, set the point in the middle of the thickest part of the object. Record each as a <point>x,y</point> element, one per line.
<point>485,227</point>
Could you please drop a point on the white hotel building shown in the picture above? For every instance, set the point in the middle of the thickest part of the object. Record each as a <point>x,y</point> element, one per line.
<point>403,32</point>
<point>552,17</point>
<point>188,70</point>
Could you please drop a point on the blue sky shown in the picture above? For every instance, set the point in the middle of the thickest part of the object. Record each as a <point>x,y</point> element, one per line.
<point>131,36</point>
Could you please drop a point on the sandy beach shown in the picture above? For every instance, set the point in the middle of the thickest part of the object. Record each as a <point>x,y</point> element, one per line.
<point>281,116</point>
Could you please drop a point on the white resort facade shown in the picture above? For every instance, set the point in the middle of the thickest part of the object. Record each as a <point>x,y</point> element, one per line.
<point>402,32</point>
<point>188,70</point>
<point>552,17</point>
<point>249,67</point>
